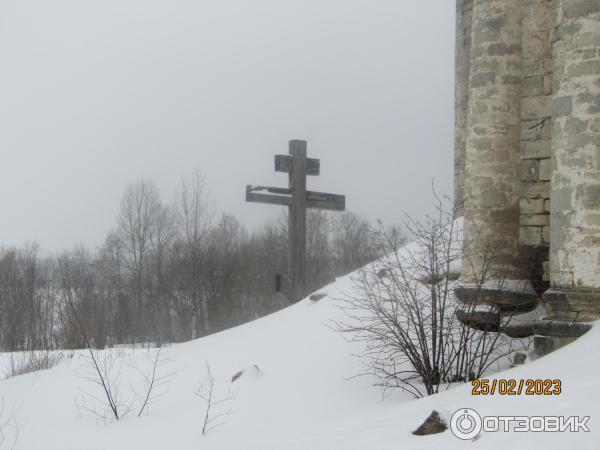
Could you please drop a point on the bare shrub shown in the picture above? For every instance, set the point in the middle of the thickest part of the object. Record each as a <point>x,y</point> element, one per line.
<point>102,369</point>
<point>16,364</point>
<point>404,310</point>
<point>9,427</point>
<point>155,381</point>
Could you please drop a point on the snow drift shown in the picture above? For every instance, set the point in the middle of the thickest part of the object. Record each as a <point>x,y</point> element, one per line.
<point>297,390</point>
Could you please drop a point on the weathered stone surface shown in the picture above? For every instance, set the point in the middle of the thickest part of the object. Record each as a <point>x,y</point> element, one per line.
<point>546,344</point>
<point>535,190</point>
<point>547,84</point>
<point>583,68</point>
<point>546,234</point>
<point>480,320</point>
<point>493,129</point>
<point>536,107</point>
<point>433,424</point>
<point>531,205</point>
<point>530,169</point>
<point>521,330</point>
<point>562,106</point>
<point>535,220</point>
<point>519,358</point>
<point>536,149</point>
<point>529,140</point>
<point>464,19</point>
<point>504,215</point>
<point>574,251</point>
<point>499,300</point>
<point>580,8</point>
<point>574,125</point>
<point>572,303</point>
<point>536,129</point>
<point>544,170</point>
<point>533,86</point>
<point>561,328</point>
<point>530,235</point>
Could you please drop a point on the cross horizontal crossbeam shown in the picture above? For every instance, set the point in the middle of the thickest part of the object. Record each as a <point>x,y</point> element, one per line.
<point>283,163</point>
<point>283,196</point>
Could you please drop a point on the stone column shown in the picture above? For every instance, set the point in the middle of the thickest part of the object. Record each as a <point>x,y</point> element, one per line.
<point>492,181</point>
<point>464,18</point>
<point>574,295</point>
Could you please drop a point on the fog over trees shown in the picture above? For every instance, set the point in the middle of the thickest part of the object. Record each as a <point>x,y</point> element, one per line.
<point>169,271</point>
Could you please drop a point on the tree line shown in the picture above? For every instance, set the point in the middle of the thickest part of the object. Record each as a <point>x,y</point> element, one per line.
<point>168,272</point>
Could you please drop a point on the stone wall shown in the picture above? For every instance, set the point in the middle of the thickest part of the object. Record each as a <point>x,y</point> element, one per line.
<point>536,123</point>
<point>464,18</point>
<point>527,150</point>
<point>492,149</point>
<point>575,234</point>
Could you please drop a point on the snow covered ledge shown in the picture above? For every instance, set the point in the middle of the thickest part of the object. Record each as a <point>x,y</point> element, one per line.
<point>570,312</point>
<point>509,306</point>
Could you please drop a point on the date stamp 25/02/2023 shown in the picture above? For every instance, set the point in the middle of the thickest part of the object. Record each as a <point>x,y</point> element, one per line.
<point>511,386</point>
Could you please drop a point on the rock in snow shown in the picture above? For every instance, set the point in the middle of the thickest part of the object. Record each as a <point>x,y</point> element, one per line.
<point>432,425</point>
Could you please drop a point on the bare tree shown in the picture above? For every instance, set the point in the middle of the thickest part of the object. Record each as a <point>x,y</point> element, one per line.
<point>318,249</point>
<point>112,273</point>
<point>24,305</point>
<point>352,242</point>
<point>160,296</point>
<point>140,208</point>
<point>166,273</point>
<point>194,216</point>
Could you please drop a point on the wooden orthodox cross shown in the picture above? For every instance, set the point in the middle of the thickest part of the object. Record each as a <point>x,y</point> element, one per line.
<point>297,198</point>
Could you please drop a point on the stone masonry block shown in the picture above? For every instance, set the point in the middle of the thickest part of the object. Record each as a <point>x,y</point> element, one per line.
<point>535,220</point>
<point>536,149</point>
<point>530,235</point>
<point>530,169</point>
<point>584,68</point>
<point>562,106</point>
<point>532,86</point>
<point>531,205</point>
<point>544,171</point>
<point>536,107</point>
<point>535,190</point>
<point>536,45</point>
<point>536,129</point>
<point>547,84</point>
<point>581,8</point>
<point>546,234</point>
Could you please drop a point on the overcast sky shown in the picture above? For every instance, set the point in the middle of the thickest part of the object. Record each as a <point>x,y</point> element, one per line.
<point>97,93</point>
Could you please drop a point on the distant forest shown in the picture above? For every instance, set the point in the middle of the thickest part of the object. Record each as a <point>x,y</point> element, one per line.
<point>168,272</point>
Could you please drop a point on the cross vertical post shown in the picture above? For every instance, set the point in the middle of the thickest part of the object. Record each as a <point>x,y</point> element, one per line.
<point>297,219</point>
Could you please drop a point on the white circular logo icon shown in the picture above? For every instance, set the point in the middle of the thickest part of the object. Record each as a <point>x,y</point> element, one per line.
<point>465,423</point>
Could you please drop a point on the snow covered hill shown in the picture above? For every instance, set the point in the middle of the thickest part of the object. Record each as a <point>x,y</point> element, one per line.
<point>300,395</point>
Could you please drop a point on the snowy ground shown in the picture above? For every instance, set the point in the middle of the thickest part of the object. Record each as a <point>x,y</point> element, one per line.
<point>301,399</point>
